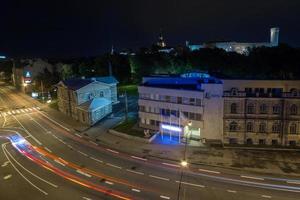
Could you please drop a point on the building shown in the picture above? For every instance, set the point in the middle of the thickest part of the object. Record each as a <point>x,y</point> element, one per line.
<point>200,107</point>
<point>238,47</point>
<point>262,112</point>
<point>87,100</point>
<point>182,107</point>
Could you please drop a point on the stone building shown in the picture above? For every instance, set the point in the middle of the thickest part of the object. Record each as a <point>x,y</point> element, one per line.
<point>87,100</point>
<point>262,112</point>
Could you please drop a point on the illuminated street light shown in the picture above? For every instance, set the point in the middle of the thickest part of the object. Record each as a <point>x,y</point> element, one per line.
<point>184,163</point>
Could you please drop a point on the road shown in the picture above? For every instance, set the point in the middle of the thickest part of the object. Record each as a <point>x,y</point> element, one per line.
<point>59,164</point>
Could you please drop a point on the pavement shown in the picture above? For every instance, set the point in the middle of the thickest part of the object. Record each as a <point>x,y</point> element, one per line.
<point>67,155</point>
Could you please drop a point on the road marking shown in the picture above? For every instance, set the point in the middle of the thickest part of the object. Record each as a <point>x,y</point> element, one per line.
<point>78,135</point>
<point>164,197</point>
<point>53,185</point>
<point>38,123</point>
<point>70,146</point>
<point>252,177</point>
<point>266,196</point>
<point>100,161</point>
<point>13,112</point>
<point>113,151</point>
<point>140,173</point>
<point>294,182</point>
<point>231,191</point>
<point>26,109</point>
<point>5,164</point>
<point>135,190</point>
<point>109,183</point>
<point>54,121</point>
<point>115,166</point>
<point>42,191</point>
<point>158,177</point>
<point>82,153</point>
<point>83,173</point>
<point>191,184</point>
<point>37,141</point>
<point>30,109</point>
<point>139,158</point>
<point>59,162</point>
<point>94,143</point>
<point>22,111</point>
<point>18,111</point>
<point>86,198</point>
<point>172,165</point>
<point>55,136</point>
<point>7,177</point>
<point>209,171</point>
<point>9,113</point>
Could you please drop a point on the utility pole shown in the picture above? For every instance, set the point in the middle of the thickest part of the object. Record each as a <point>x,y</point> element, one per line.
<point>126,106</point>
<point>42,86</point>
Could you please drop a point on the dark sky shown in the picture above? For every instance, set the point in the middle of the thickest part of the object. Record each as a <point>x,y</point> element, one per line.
<point>63,28</point>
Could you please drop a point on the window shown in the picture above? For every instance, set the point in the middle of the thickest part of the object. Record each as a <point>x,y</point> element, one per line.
<point>294,92</point>
<point>234,91</point>
<point>294,110</point>
<point>274,142</point>
<point>192,101</point>
<point>250,108</point>
<point>233,108</point>
<point>152,122</point>
<point>233,126</point>
<point>249,141</point>
<point>168,98</point>
<point>293,128</point>
<point>101,94</point>
<point>198,102</point>
<point>262,141</point>
<point>233,141</point>
<point>262,127</point>
<point>192,116</point>
<point>276,109</point>
<point>249,127</point>
<point>142,108</point>
<point>263,109</point>
<point>179,100</point>
<point>292,143</point>
<point>198,117</point>
<point>276,128</point>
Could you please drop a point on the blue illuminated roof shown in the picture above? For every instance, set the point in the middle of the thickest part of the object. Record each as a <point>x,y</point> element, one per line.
<point>107,79</point>
<point>184,82</point>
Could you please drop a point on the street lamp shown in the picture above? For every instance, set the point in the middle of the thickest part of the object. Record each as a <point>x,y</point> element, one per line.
<point>184,163</point>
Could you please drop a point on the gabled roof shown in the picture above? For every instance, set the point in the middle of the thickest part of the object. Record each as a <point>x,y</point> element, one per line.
<point>94,104</point>
<point>106,79</point>
<point>75,84</point>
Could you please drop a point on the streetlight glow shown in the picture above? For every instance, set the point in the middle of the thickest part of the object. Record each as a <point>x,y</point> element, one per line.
<point>184,163</point>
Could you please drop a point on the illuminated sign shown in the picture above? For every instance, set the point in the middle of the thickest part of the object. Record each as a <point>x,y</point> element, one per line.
<point>2,57</point>
<point>171,128</point>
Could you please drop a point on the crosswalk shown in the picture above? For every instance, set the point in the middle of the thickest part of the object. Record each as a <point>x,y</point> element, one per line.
<point>19,111</point>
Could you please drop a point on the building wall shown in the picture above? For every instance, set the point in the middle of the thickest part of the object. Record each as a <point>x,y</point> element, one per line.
<point>271,108</point>
<point>201,108</point>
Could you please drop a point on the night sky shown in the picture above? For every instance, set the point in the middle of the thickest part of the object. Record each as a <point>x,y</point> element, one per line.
<point>66,28</point>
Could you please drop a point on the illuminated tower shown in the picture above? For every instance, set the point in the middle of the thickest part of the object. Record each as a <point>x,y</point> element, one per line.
<point>274,38</point>
<point>161,43</point>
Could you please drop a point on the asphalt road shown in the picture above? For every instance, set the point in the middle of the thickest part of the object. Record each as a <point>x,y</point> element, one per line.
<point>114,172</point>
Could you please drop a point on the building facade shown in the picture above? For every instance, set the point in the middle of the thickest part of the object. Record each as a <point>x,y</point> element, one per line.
<point>87,100</point>
<point>239,47</point>
<point>182,107</point>
<point>263,112</point>
<point>246,112</point>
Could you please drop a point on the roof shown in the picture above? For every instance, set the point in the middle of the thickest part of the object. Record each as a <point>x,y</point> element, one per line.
<point>94,104</point>
<point>77,83</point>
<point>106,79</point>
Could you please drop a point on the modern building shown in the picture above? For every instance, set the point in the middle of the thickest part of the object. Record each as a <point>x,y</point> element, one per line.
<point>200,107</point>
<point>87,100</point>
<point>238,47</point>
<point>182,107</point>
<point>262,112</point>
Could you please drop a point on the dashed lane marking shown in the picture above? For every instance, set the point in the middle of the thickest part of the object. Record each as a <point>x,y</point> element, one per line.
<point>252,177</point>
<point>135,172</point>
<point>83,173</point>
<point>209,171</point>
<point>57,161</point>
<point>7,177</point>
<point>113,151</point>
<point>95,159</point>
<point>159,177</point>
<point>86,198</point>
<point>164,197</point>
<point>83,153</point>
<point>135,190</point>
<point>138,158</point>
<point>115,166</point>
<point>5,164</point>
<point>191,184</point>
<point>94,143</point>
<point>266,196</point>
<point>109,183</point>
<point>172,165</point>
<point>231,191</point>
<point>78,135</point>
<point>294,182</point>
